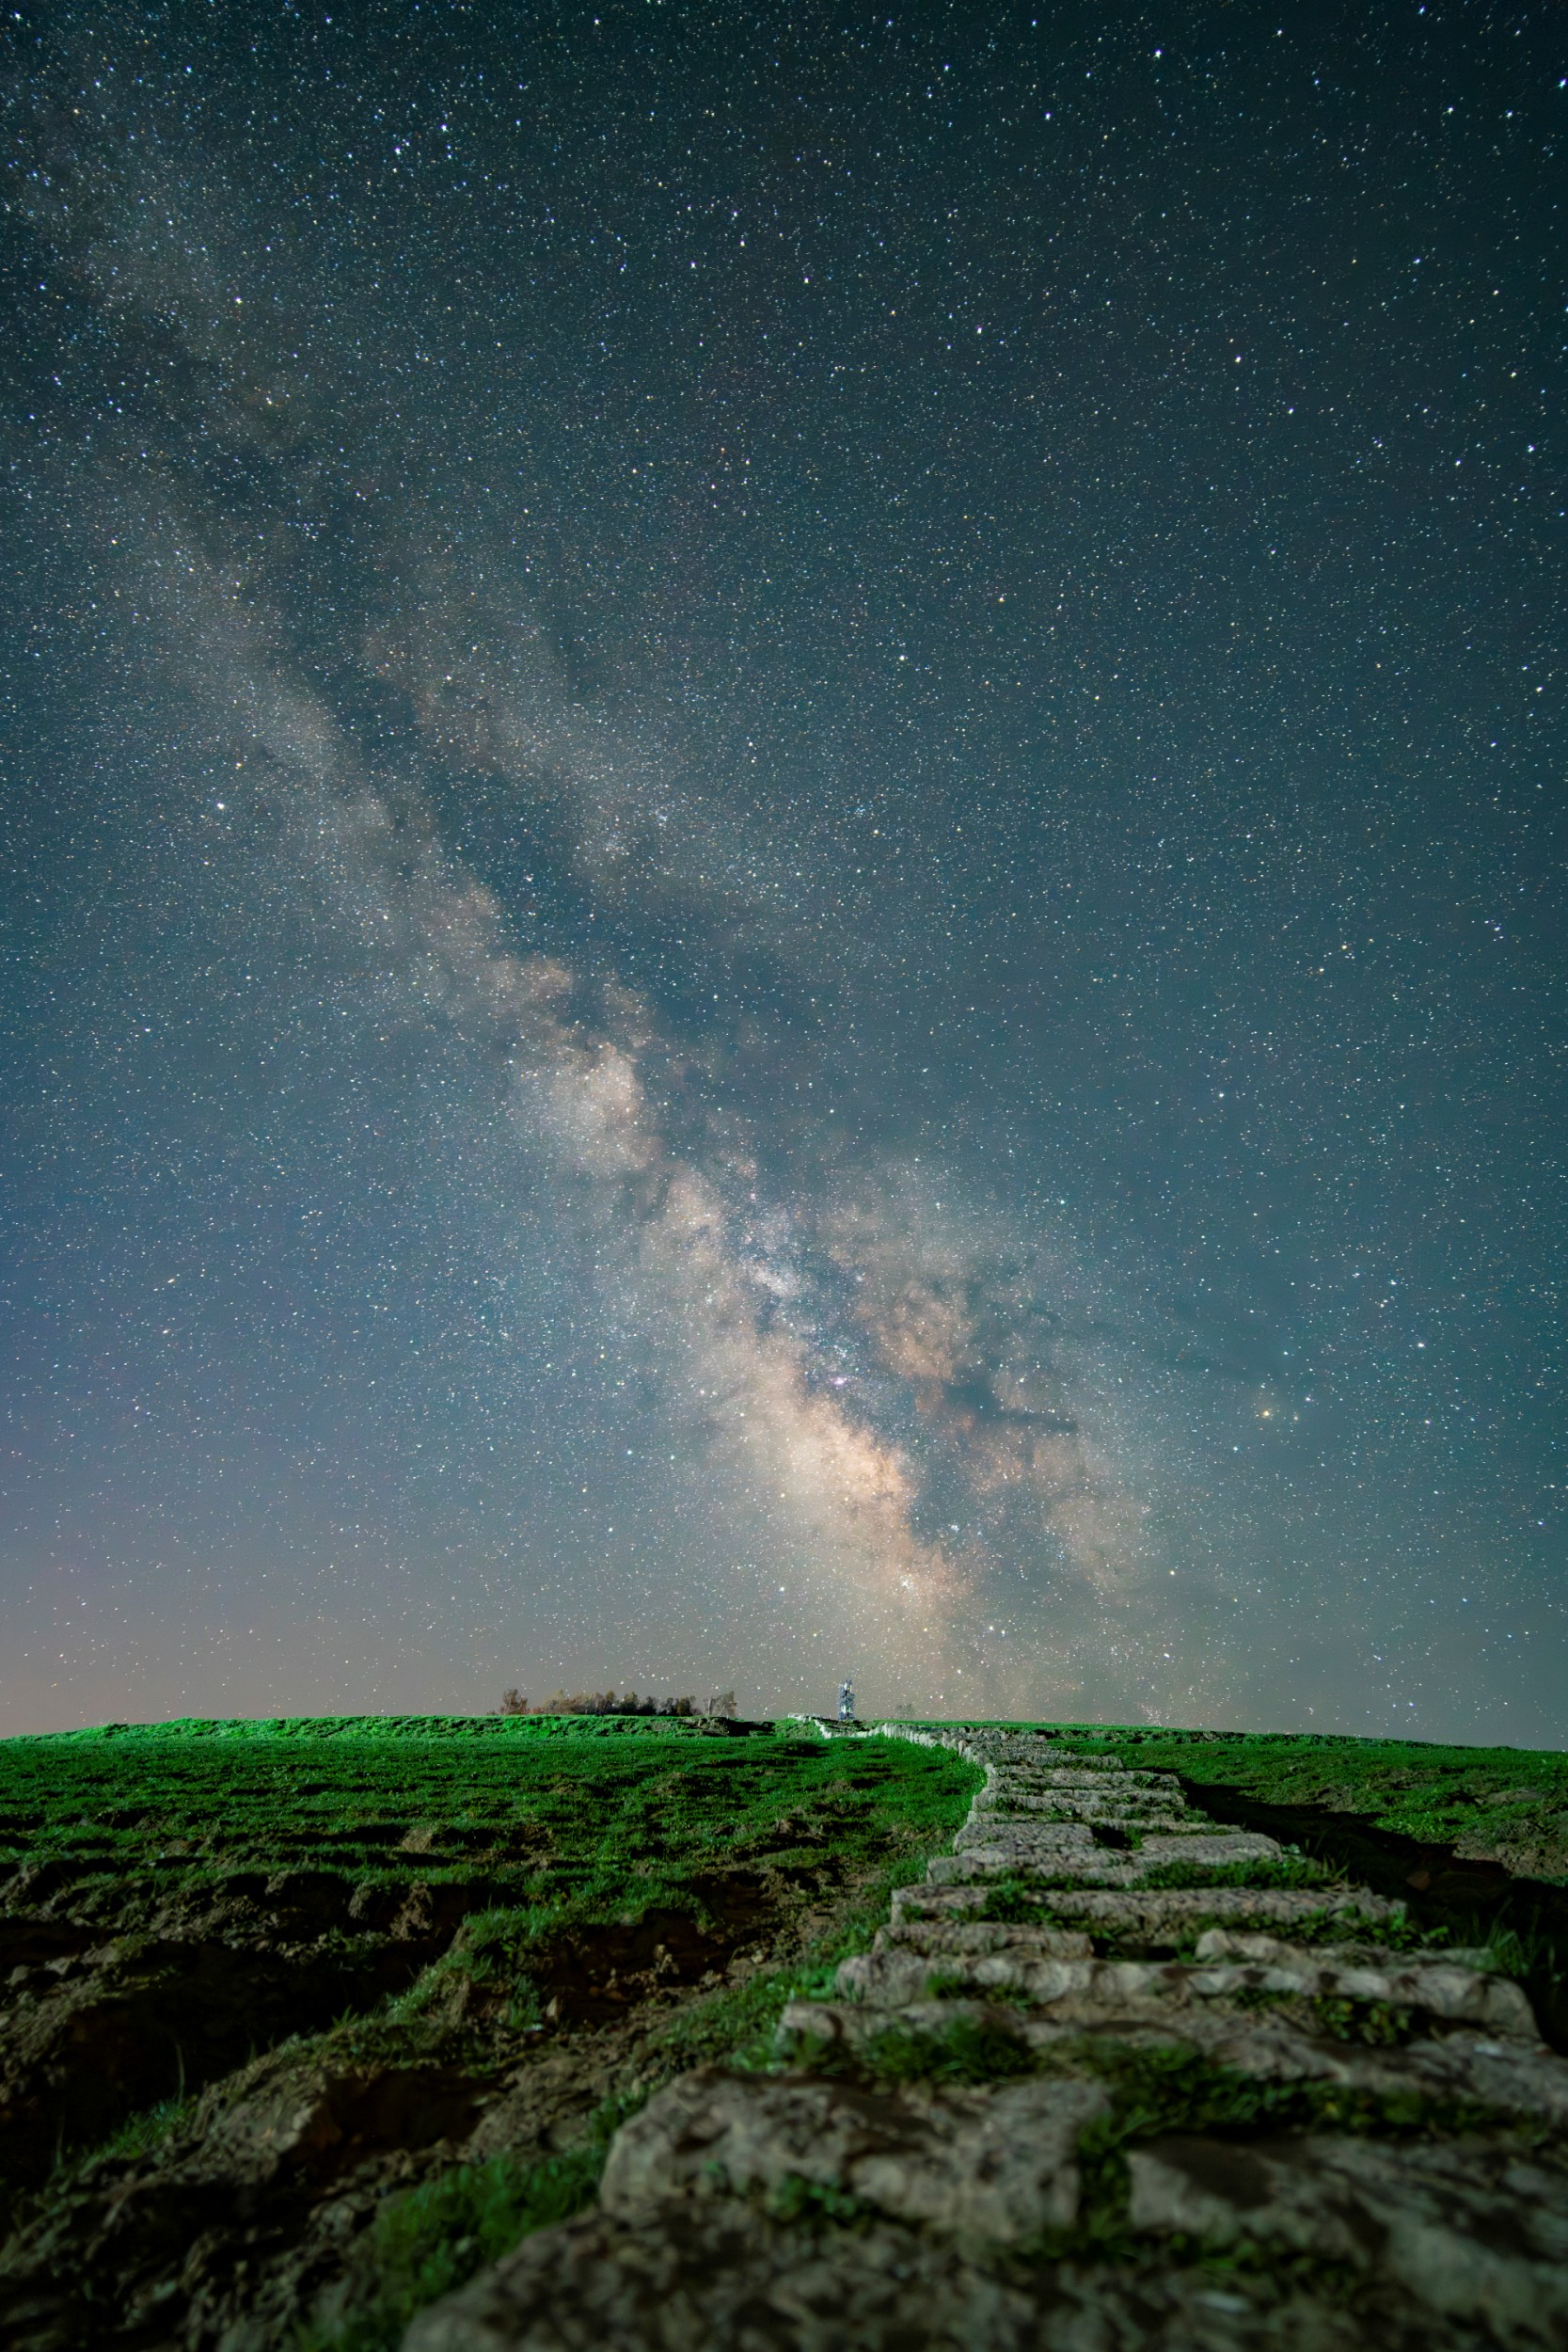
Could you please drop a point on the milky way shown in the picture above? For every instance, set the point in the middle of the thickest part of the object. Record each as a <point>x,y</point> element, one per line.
<point>784,819</point>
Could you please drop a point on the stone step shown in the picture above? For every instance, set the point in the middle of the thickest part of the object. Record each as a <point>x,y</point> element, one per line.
<point>1000,2164</point>
<point>851,2025</point>
<point>1106,1825</point>
<point>1512,2073</point>
<point>1097,1868</point>
<point>889,1980</point>
<point>1055,1853</point>
<point>1507,2077</point>
<point>1214,1847</point>
<point>1100,1791</point>
<point>1251,1944</point>
<point>1172,1914</point>
<point>938,1939</point>
<point>999,1808</point>
<point>1044,1836</point>
<point>1458,2243</point>
<point>1015,1758</point>
<point>1446,2226</point>
<point>1150,1786</point>
<point>1065,1805</point>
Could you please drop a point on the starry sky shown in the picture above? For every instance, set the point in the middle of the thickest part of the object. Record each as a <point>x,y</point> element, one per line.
<point>782,820</point>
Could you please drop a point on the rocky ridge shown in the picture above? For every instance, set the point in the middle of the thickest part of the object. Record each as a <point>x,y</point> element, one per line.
<point>1112,2076</point>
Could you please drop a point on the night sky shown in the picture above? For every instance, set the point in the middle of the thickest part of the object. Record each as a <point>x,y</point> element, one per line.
<point>783,833</point>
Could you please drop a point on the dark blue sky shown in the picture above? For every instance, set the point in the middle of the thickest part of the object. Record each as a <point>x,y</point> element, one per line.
<point>782,836</point>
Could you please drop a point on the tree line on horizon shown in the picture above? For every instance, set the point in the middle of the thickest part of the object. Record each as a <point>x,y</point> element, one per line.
<point>606,1703</point>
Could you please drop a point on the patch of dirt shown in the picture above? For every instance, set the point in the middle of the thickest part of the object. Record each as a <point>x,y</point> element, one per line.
<point>247,2210</point>
<point>591,1977</point>
<point>92,2032</point>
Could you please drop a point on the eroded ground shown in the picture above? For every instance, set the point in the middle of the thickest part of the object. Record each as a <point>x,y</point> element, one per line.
<point>296,2030</point>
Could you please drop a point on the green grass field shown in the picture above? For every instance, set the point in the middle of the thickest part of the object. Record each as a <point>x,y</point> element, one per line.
<point>398,1923</point>
<point>627,1810</point>
<point>574,1817</point>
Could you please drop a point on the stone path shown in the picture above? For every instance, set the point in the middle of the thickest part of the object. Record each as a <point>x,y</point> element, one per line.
<point>1107,2080</point>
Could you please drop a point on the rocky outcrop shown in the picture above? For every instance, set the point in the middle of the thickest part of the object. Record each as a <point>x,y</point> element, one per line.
<point>1112,2076</point>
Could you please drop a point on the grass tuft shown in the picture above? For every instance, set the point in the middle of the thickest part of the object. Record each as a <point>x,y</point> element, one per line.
<point>1376,2025</point>
<point>1290,1870</point>
<point>1017,1903</point>
<point>424,2244</point>
<point>796,2198</point>
<point>1170,2088</point>
<point>968,2050</point>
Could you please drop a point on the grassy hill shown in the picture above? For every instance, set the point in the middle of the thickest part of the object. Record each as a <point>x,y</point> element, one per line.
<point>324,2012</point>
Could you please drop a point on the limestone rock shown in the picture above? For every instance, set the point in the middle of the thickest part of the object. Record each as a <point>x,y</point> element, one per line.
<point>1070,1848</point>
<point>1089,1987</point>
<point>1000,2165</point>
<point>705,2276</point>
<point>719,2277</point>
<point>1168,1913</point>
<point>1475,2232</point>
<point>958,1938</point>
